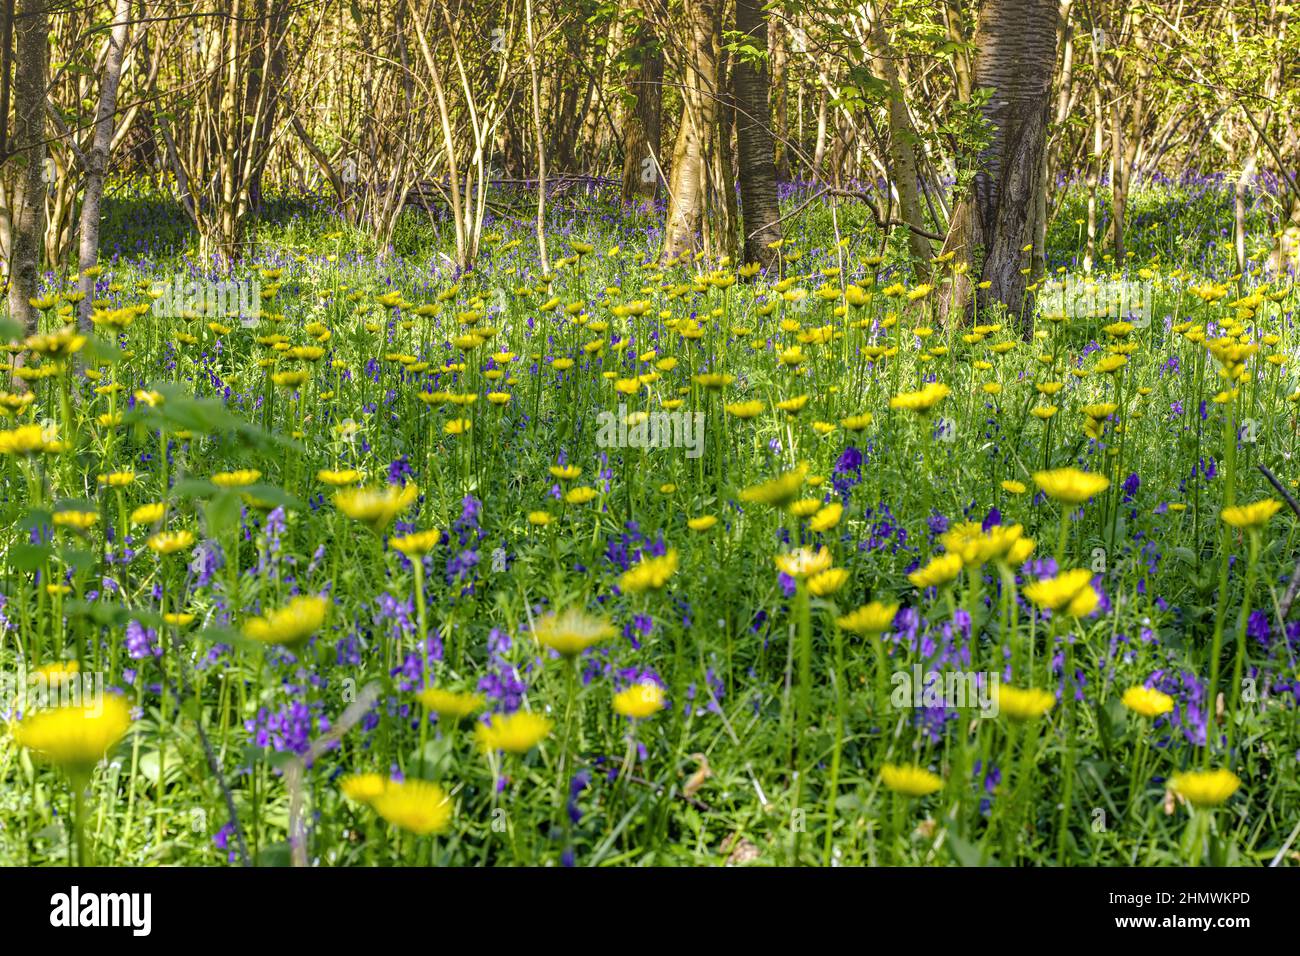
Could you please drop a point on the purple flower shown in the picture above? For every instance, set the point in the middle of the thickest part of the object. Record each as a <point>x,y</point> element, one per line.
<point>141,642</point>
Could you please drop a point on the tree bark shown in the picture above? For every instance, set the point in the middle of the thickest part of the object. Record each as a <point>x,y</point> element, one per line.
<point>690,170</point>
<point>97,158</point>
<point>1240,201</point>
<point>902,157</point>
<point>1015,44</point>
<point>534,83</point>
<point>1286,248</point>
<point>31,66</point>
<point>757,148</point>
<point>643,124</point>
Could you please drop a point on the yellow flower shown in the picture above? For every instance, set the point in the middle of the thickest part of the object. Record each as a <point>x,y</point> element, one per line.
<point>565,472</point>
<point>1058,592</point>
<point>59,673</point>
<point>572,631</point>
<point>236,479</point>
<point>376,507</point>
<point>416,806</point>
<point>1083,603</point>
<point>1019,552</point>
<point>827,518</point>
<point>938,572</point>
<point>78,520</point>
<point>873,618</point>
<point>1070,485</point>
<point>169,542</point>
<point>539,519</point>
<point>802,562</point>
<point>805,507</point>
<point>1252,516</point>
<point>1013,487</point>
<point>418,544</point>
<point>922,401</point>
<point>362,787</point>
<point>118,479</point>
<point>1104,410</point>
<point>295,622</point>
<point>974,545</point>
<point>515,733</point>
<point>1205,788</point>
<point>77,736</point>
<point>1024,704</point>
<point>26,440</point>
<point>649,574</point>
<point>793,406</point>
<point>702,523</point>
<point>340,479</point>
<point>745,410</point>
<point>149,514</point>
<point>580,495</point>
<point>457,426</point>
<point>1147,701</point>
<point>827,582</point>
<point>449,703</point>
<point>291,379</point>
<point>779,491</point>
<point>910,781</point>
<point>640,700</point>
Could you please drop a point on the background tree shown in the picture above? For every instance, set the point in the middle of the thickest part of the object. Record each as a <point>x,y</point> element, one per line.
<point>757,147</point>
<point>991,226</point>
<point>31,32</point>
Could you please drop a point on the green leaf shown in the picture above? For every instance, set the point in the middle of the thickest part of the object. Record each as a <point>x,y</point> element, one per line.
<point>193,488</point>
<point>223,512</point>
<point>966,854</point>
<point>275,854</point>
<point>77,559</point>
<point>28,557</point>
<point>275,495</point>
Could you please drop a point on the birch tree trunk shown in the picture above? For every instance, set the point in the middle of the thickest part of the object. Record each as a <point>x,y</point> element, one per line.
<point>902,155</point>
<point>97,157</point>
<point>690,170</point>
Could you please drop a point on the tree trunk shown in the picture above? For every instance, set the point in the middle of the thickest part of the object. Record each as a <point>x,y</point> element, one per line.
<point>690,171</point>
<point>31,22</point>
<point>539,137</point>
<point>1015,44</point>
<point>757,148</point>
<point>1118,181</point>
<point>1286,248</point>
<point>780,100</point>
<point>97,158</point>
<point>819,145</point>
<point>1240,200</point>
<point>1094,164</point>
<point>902,157</point>
<point>642,126</point>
